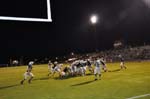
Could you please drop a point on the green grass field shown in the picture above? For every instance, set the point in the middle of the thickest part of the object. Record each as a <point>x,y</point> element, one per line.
<point>114,85</point>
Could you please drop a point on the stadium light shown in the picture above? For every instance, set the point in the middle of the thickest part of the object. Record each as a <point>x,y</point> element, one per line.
<point>94,19</point>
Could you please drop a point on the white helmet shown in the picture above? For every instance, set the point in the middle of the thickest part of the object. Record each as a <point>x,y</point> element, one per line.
<point>49,61</point>
<point>31,62</point>
<point>55,62</point>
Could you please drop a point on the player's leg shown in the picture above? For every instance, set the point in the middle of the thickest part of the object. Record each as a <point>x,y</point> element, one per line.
<point>99,76</point>
<point>95,76</point>
<point>62,75</point>
<point>84,68</point>
<point>95,73</point>
<point>81,71</point>
<point>72,72</point>
<point>29,81</point>
<point>53,72</point>
<point>31,77</point>
<point>75,71</point>
<point>105,68</point>
<point>25,77</point>
<point>91,69</point>
<point>124,66</point>
<point>121,65</point>
<point>50,72</point>
<point>99,73</point>
<point>22,81</point>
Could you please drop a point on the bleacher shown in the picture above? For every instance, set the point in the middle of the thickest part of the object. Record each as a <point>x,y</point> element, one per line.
<point>129,53</point>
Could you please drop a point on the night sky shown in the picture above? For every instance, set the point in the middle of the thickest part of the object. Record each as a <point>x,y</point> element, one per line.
<point>71,30</point>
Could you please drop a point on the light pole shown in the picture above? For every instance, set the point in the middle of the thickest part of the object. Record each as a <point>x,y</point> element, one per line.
<point>93,21</point>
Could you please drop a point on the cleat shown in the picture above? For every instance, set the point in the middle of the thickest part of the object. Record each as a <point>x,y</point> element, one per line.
<point>21,82</point>
<point>29,81</point>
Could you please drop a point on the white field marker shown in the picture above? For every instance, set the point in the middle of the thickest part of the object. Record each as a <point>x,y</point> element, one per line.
<point>140,96</point>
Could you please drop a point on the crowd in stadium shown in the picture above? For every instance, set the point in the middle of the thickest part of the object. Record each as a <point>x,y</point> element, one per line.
<point>129,53</point>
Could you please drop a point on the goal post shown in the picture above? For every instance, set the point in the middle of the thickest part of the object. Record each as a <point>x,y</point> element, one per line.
<point>49,19</point>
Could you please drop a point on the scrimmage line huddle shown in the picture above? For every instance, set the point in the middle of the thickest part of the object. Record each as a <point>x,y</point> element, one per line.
<point>76,68</point>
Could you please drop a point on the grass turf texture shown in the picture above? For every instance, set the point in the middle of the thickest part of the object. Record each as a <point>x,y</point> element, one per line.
<point>115,84</point>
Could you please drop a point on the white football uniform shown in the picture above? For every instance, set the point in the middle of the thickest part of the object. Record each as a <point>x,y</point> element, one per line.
<point>28,74</point>
<point>58,68</point>
<point>97,67</point>
<point>50,68</point>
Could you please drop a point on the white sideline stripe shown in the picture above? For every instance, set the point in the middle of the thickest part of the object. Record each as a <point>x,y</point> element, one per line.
<point>138,96</point>
<point>31,19</point>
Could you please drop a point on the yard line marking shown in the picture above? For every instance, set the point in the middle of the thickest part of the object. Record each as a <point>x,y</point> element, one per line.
<point>139,96</point>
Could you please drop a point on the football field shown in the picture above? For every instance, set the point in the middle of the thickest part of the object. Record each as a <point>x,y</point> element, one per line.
<point>115,84</point>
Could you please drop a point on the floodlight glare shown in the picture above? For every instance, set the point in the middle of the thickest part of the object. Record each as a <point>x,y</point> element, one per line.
<point>94,19</point>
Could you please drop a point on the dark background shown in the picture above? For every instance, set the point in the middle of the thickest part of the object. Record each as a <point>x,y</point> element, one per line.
<point>71,30</point>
